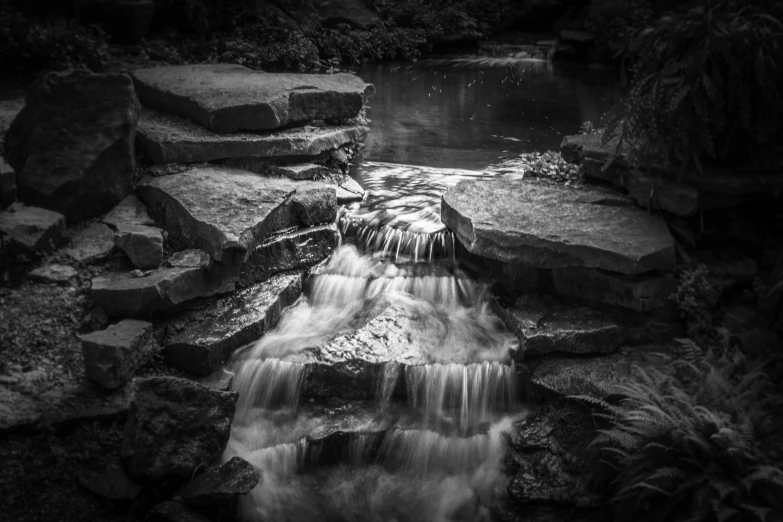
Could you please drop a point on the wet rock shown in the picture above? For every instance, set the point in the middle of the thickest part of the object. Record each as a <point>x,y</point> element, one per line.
<point>129,211</point>
<point>302,171</point>
<point>108,481</point>
<point>72,146</point>
<point>218,208</point>
<point>229,98</point>
<point>544,328</point>
<point>192,258</point>
<point>32,229</point>
<point>173,511</point>
<point>221,484</point>
<point>348,191</point>
<point>596,376</point>
<point>122,294</point>
<point>587,150</point>
<point>94,243</point>
<point>172,139</point>
<point>7,185</point>
<point>676,198</point>
<point>642,293</point>
<point>53,273</point>
<point>553,227</point>
<point>210,335</point>
<point>142,244</point>
<point>292,251</point>
<point>113,355</point>
<point>219,380</point>
<point>174,425</point>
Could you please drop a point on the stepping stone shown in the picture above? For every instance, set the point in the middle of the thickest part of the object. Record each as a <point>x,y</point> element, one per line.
<point>292,251</point>
<point>122,294</point>
<point>172,139</point>
<point>53,273</point>
<point>32,229</point>
<point>208,336</point>
<point>228,98</point>
<point>676,198</point>
<point>142,244</point>
<point>554,328</point>
<point>227,212</point>
<point>642,293</point>
<point>129,211</point>
<point>517,222</point>
<point>113,355</point>
<point>94,243</point>
<point>174,426</point>
<point>221,484</point>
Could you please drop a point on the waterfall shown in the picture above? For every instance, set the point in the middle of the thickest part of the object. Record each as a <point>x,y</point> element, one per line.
<point>398,244</point>
<point>268,384</point>
<point>389,374</point>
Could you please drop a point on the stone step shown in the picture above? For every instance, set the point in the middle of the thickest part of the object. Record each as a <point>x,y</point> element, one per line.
<point>518,222</point>
<point>226,211</point>
<point>200,341</point>
<point>172,139</point>
<point>32,230</point>
<point>228,98</point>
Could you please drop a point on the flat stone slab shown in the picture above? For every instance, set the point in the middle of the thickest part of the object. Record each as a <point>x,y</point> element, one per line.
<point>172,139</point>
<point>54,273</point>
<point>142,244</point>
<point>94,243</point>
<point>517,222</point>
<point>216,209</point>
<point>228,98</point>
<point>208,336</point>
<point>111,356</point>
<point>129,211</point>
<point>32,229</point>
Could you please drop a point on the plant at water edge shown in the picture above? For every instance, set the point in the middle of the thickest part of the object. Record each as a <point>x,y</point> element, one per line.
<point>687,444</point>
<point>706,85</point>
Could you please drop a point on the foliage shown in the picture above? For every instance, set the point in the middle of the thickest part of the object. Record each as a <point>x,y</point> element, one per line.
<point>705,85</point>
<point>36,46</point>
<point>696,297</point>
<point>686,445</point>
<point>588,127</point>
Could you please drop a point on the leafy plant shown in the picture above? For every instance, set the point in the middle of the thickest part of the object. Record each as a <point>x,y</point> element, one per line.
<point>685,444</point>
<point>705,86</point>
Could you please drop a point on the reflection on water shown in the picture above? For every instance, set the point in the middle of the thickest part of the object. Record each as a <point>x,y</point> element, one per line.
<point>469,112</point>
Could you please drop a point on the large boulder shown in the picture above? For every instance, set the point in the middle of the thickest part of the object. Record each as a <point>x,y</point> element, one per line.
<point>518,222</point>
<point>111,356</point>
<point>174,425</point>
<point>173,139</point>
<point>227,98</point>
<point>206,337</point>
<point>31,229</point>
<point>72,146</point>
<point>226,211</point>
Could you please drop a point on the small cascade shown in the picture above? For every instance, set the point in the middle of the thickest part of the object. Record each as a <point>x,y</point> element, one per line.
<point>282,460</point>
<point>268,384</point>
<point>398,244</point>
<point>360,448</point>
<point>389,375</point>
<point>459,395</point>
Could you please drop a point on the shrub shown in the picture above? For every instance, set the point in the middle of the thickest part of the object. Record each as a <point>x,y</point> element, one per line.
<point>686,445</point>
<point>705,85</point>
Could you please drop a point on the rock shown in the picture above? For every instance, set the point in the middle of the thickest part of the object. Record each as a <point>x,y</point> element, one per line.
<point>302,171</point>
<point>219,329</point>
<point>662,194</point>
<point>587,150</point>
<point>53,273</point>
<point>192,258</point>
<point>293,251</point>
<point>7,185</point>
<point>226,98</point>
<point>640,293</point>
<point>109,481</point>
<point>129,211</point>
<point>219,380</point>
<point>72,146</point>
<point>174,425</point>
<point>142,244</point>
<point>113,355</point>
<point>551,227</point>
<point>94,243</point>
<point>544,328</point>
<point>32,229</point>
<point>221,484</point>
<point>348,191</point>
<point>738,318</point>
<point>220,209</point>
<point>173,511</point>
<point>122,294</point>
<point>172,139</point>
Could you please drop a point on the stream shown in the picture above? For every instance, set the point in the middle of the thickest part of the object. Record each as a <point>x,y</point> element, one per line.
<point>424,438</point>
